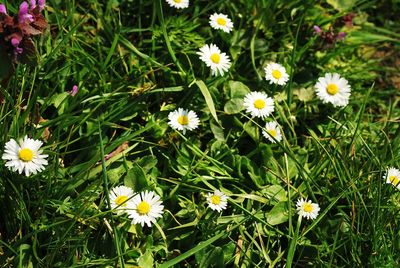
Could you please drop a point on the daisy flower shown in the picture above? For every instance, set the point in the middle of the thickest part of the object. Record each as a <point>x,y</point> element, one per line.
<point>24,155</point>
<point>217,200</point>
<point>178,3</point>
<point>182,119</point>
<point>393,177</point>
<point>258,104</point>
<point>334,89</point>
<point>276,74</point>
<point>221,22</point>
<point>213,58</point>
<point>145,207</point>
<point>272,132</point>
<point>119,196</point>
<point>307,209</point>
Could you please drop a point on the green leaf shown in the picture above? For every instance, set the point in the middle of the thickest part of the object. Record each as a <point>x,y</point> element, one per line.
<point>207,96</point>
<point>236,89</point>
<point>136,178</point>
<point>278,214</point>
<point>217,131</point>
<point>146,260</point>
<point>234,106</point>
<point>212,258</point>
<point>192,251</point>
<point>276,193</point>
<point>341,5</point>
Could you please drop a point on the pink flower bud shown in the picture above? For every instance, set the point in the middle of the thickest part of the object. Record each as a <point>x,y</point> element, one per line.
<point>74,91</point>
<point>32,4</point>
<point>23,15</point>
<point>3,9</point>
<point>41,4</point>
<point>341,36</point>
<point>15,42</point>
<point>317,29</point>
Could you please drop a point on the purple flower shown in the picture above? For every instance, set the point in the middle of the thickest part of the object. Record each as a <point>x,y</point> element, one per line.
<point>15,42</point>
<point>3,9</point>
<point>74,91</point>
<point>341,36</point>
<point>33,4</point>
<point>23,15</point>
<point>41,4</point>
<point>317,30</point>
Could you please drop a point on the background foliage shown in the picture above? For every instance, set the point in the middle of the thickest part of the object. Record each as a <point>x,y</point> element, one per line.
<point>134,62</point>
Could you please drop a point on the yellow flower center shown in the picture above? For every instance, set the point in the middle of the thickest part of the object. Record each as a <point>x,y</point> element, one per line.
<point>259,104</point>
<point>121,200</point>
<point>183,120</point>
<point>25,154</point>
<point>394,180</point>
<point>143,208</point>
<point>332,89</point>
<point>221,21</point>
<point>215,58</point>
<point>177,1</point>
<point>307,207</point>
<point>276,74</point>
<point>215,199</point>
<point>272,132</point>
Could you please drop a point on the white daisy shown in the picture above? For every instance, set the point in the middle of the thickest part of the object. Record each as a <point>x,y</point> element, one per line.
<point>334,89</point>
<point>145,207</point>
<point>307,209</point>
<point>178,3</point>
<point>25,155</point>
<point>213,58</point>
<point>276,74</point>
<point>221,22</point>
<point>182,119</point>
<point>272,132</point>
<point>217,200</point>
<point>393,177</point>
<point>119,197</point>
<point>258,104</point>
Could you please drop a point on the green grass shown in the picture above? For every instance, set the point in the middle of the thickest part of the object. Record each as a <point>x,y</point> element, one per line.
<point>134,62</point>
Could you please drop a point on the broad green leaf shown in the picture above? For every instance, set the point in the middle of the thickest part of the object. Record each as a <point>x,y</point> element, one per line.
<point>136,178</point>
<point>234,106</point>
<point>278,214</point>
<point>212,258</point>
<point>146,260</point>
<point>275,193</point>
<point>217,131</point>
<point>341,5</point>
<point>236,89</point>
